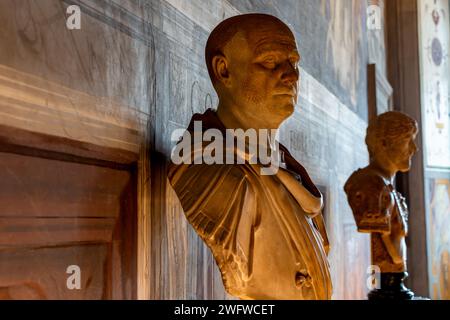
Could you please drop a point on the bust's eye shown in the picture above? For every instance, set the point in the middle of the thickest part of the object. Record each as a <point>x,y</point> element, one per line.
<point>269,62</point>
<point>359,197</point>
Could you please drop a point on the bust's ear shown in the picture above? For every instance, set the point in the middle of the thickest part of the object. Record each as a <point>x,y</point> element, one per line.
<point>220,67</point>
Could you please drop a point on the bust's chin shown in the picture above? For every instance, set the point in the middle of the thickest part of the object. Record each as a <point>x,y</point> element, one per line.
<point>283,111</point>
<point>405,166</point>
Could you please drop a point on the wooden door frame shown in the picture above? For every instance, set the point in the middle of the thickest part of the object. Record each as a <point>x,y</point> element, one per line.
<point>404,76</point>
<point>123,143</point>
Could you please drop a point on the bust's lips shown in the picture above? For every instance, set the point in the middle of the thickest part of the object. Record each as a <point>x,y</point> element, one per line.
<point>286,94</point>
<point>286,91</point>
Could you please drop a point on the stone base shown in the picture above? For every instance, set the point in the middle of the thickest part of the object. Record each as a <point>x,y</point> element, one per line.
<point>392,288</point>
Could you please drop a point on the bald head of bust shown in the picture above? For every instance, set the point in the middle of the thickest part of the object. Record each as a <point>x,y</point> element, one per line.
<point>252,61</point>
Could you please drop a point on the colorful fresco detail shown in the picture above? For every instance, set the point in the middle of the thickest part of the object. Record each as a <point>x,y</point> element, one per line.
<point>439,238</point>
<point>434,36</point>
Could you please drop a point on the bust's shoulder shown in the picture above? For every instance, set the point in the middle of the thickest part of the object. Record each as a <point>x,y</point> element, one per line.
<point>205,178</point>
<point>365,178</point>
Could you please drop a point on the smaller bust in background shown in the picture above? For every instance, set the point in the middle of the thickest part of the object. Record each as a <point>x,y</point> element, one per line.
<point>377,207</point>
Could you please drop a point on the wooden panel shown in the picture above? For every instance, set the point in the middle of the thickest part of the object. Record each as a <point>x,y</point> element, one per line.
<point>126,237</point>
<point>39,232</point>
<point>57,211</point>
<point>144,221</point>
<point>49,188</point>
<point>41,273</point>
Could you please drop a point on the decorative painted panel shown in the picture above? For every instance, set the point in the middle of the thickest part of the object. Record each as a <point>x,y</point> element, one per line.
<point>439,237</point>
<point>434,34</point>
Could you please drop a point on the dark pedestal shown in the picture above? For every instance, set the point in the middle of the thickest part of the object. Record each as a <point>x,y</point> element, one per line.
<point>392,288</point>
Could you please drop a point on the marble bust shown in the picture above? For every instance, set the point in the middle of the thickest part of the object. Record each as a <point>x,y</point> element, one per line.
<point>265,231</point>
<point>377,207</point>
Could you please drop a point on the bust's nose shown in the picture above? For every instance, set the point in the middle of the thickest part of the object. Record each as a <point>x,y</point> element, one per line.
<point>290,74</point>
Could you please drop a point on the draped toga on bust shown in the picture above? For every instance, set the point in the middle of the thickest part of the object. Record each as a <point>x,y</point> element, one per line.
<point>263,241</point>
